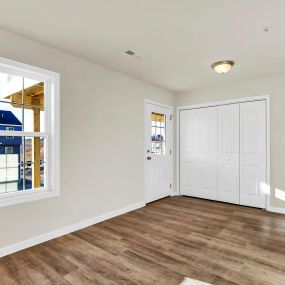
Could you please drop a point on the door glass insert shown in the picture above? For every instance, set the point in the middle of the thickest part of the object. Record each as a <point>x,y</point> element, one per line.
<point>158,133</point>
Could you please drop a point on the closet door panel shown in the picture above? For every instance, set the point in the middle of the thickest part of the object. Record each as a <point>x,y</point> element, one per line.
<point>253,154</point>
<point>198,152</point>
<point>228,153</point>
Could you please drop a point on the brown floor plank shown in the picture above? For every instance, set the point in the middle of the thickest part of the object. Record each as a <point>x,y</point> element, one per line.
<point>162,243</point>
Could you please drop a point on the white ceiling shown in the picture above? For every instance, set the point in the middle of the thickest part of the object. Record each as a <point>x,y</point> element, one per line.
<point>176,39</point>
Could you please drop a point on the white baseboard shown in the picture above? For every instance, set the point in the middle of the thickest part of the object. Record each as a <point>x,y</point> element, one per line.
<point>66,230</point>
<point>276,210</point>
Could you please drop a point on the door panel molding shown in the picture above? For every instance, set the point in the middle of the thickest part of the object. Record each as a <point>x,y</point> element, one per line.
<point>201,179</point>
<point>228,153</point>
<point>253,153</point>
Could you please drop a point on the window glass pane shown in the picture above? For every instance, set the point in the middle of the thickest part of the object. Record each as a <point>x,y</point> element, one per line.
<point>7,187</point>
<point>10,117</point>
<point>34,162</point>
<point>163,148</point>
<point>158,133</point>
<point>33,92</point>
<point>162,134</point>
<point>11,88</point>
<point>153,129</point>
<point>158,136</point>
<point>43,174</point>
<point>33,119</point>
<point>10,164</point>
<point>30,181</point>
<point>20,170</point>
<point>34,103</point>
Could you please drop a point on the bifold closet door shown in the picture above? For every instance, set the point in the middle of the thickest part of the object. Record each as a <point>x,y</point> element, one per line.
<point>253,153</point>
<point>198,153</point>
<point>228,153</point>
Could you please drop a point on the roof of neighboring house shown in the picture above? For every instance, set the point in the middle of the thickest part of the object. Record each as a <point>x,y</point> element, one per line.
<point>8,118</point>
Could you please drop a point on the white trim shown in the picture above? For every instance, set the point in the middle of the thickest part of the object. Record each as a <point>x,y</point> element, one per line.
<point>22,134</point>
<point>226,102</point>
<point>276,210</point>
<point>25,70</point>
<point>19,197</point>
<point>158,104</point>
<point>51,132</point>
<point>268,194</point>
<point>66,230</point>
<point>219,103</point>
<point>178,151</point>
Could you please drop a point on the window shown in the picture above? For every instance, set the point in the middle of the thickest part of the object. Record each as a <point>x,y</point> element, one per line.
<point>158,132</point>
<point>9,149</point>
<point>29,133</point>
<point>9,129</point>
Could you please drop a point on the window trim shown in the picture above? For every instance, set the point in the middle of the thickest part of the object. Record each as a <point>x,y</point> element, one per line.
<point>52,121</point>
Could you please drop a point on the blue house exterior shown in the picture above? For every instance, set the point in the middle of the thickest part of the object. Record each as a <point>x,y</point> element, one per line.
<point>10,144</point>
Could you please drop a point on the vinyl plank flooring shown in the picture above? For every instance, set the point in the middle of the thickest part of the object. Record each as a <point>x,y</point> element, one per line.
<point>163,243</point>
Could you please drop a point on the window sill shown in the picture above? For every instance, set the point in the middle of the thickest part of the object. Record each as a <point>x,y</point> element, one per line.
<point>20,197</point>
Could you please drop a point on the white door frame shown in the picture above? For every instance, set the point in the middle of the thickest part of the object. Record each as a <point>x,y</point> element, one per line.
<point>172,192</point>
<point>219,103</point>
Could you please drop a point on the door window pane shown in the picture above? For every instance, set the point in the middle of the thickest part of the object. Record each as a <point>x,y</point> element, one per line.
<point>158,134</point>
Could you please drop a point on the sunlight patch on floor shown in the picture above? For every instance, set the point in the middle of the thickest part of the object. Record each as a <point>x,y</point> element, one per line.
<point>189,281</point>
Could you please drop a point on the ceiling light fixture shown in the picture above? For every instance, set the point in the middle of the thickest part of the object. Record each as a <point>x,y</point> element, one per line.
<point>223,67</point>
<point>130,52</point>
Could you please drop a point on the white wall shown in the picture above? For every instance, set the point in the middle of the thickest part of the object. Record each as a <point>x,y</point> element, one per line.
<point>275,87</point>
<point>102,137</point>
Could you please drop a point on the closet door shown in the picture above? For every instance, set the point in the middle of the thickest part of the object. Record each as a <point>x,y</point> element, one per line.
<point>253,153</point>
<point>228,153</point>
<point>198,153</point>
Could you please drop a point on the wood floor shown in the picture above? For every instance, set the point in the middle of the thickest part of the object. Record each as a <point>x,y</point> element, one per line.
<point>161,244</point>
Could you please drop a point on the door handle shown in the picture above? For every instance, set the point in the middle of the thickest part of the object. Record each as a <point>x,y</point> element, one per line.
<point>148,158</point>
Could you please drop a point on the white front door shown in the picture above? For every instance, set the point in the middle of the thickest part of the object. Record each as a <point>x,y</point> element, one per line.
<point>158,152</point>
<point>198,153</point>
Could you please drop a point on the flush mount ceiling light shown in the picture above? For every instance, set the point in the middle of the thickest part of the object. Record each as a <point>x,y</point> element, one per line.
<point>223,67</point>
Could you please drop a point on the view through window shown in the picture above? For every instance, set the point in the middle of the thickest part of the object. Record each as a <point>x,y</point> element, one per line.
<point>158,134</point>
<point>22,133</point>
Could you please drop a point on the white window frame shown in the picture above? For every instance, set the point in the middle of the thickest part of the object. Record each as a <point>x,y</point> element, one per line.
<point>51,133</point>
